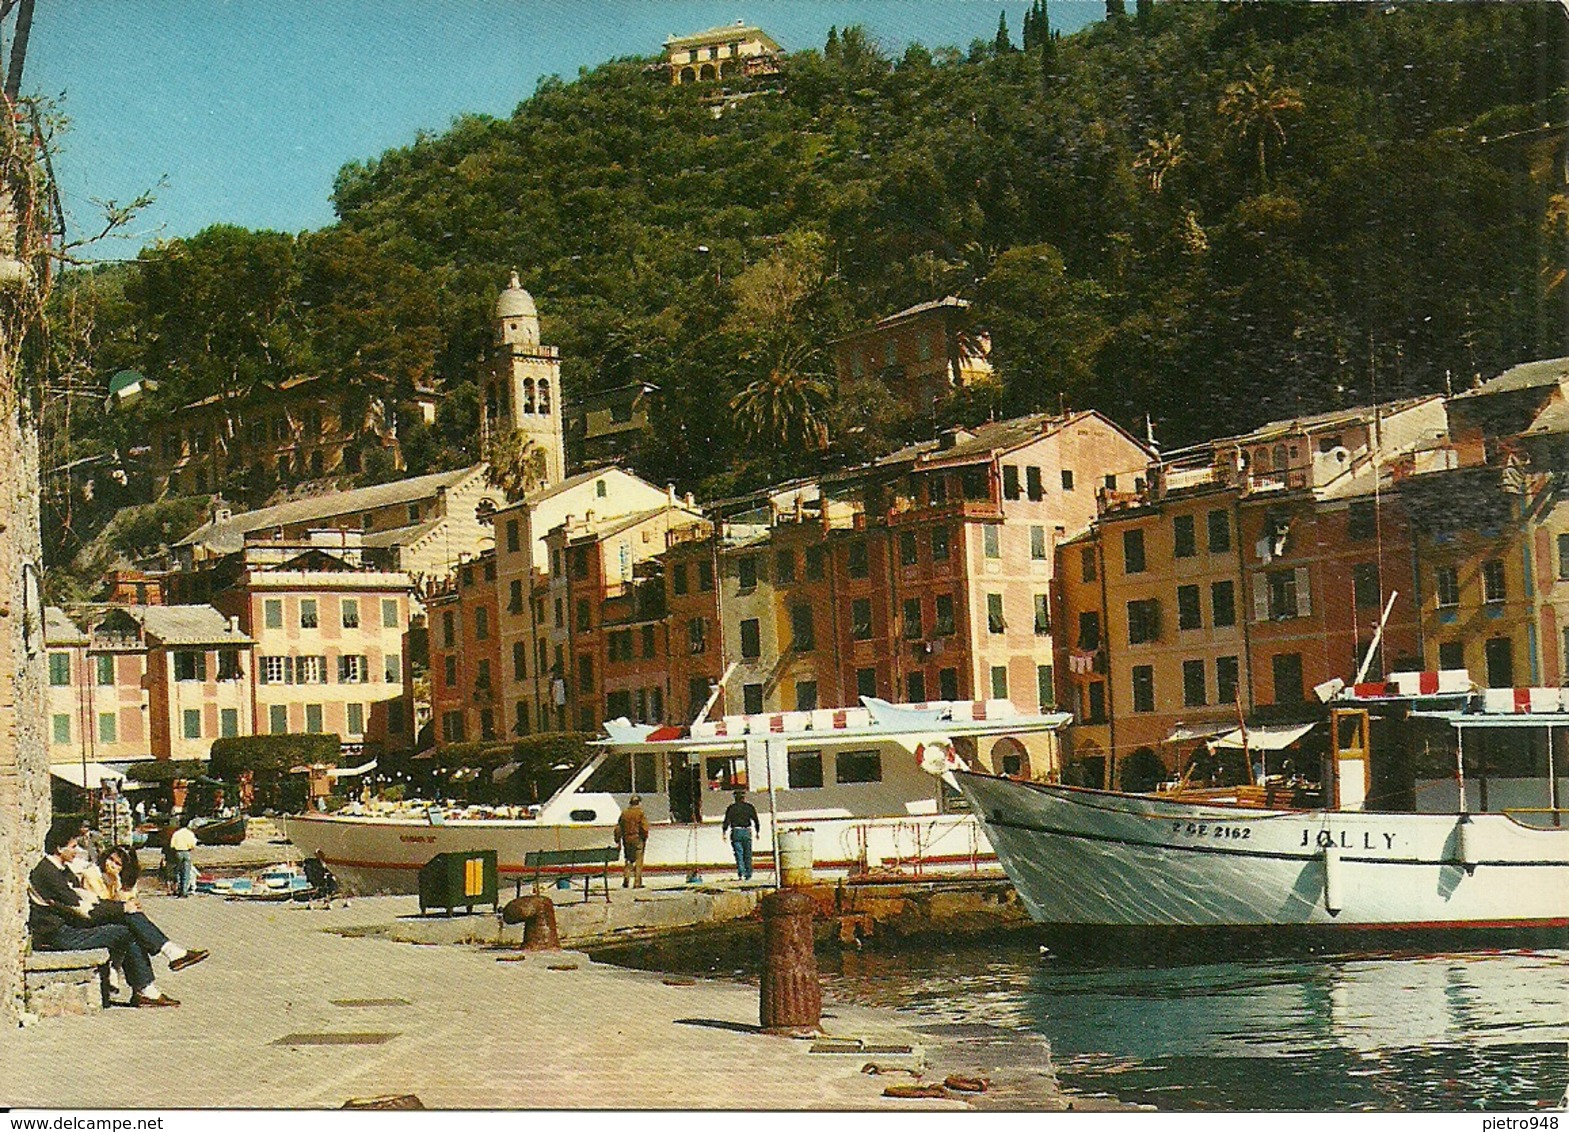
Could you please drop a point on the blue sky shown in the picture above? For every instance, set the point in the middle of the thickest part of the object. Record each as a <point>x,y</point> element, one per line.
<point>246,109</point>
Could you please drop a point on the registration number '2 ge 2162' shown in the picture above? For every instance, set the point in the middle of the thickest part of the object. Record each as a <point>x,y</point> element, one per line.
<point>1211,829</point>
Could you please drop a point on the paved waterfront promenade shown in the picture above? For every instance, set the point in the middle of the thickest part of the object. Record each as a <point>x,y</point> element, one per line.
<point>460,1029</point>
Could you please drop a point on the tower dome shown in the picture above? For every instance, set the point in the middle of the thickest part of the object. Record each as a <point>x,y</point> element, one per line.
<point>515,302</point>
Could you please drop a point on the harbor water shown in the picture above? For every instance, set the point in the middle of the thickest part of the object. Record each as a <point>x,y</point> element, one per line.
<point>1462,1031</point>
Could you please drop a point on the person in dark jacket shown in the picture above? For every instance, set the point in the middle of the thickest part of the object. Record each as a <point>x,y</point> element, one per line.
<point>63,917</point>
<point>740,820</point>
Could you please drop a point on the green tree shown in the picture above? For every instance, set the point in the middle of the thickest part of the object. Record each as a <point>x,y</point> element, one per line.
<point>1002,43</point>
<point>1254,107</point>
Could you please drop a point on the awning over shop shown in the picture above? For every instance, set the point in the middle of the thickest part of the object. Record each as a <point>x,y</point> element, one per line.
<point>97,774</point>
<point>1275,737</point>
<point>1187,732</point>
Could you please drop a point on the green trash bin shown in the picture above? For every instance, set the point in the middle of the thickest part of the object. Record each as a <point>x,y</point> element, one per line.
<point>458,880</point>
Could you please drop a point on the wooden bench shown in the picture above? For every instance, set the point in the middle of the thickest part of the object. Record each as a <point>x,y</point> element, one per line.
<point>571,859</point>
<point>56,983</point>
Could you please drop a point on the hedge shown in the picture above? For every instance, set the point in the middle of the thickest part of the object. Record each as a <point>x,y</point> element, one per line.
<point>272,754</point>
<point>162,771</point>
<point>540,751</point>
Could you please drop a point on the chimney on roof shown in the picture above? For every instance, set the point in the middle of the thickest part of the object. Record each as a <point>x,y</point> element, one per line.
<point>588,518</point>
<point>221,513</point>
<point>670,494</point>
<point>691,501</point>
<point>234,624</point>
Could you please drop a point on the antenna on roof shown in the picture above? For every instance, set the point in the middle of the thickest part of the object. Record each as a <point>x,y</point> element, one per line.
<point>1149,433</point>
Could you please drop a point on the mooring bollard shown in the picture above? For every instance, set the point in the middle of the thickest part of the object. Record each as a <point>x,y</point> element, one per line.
<point>790,999</point>
<point>538,917</point>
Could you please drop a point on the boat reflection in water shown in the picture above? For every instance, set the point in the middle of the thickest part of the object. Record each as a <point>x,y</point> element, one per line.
<point>1433,1032</point>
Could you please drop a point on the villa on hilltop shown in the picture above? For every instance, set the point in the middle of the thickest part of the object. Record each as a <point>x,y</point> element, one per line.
<point>721,53</point>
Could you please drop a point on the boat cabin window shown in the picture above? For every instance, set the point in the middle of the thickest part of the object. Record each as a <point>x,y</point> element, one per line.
<point>725,772</point>
<point>625,774</point>
<point>805,769</point>
<point>858,766</point>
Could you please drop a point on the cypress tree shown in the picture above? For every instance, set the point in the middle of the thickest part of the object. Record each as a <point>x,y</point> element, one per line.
<point>831,48</point>
<point>1116,9</point>
<point>1003,44</point>
<point>1141,9</point>
<point>1027,36</point>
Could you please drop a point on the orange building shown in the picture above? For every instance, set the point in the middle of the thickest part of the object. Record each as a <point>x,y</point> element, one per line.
<point>921,354</point>
<point>465,654</point>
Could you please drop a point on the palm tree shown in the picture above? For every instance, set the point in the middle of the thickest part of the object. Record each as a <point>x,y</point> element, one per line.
<point>1159,157</point>
<point>517,464</point>
<point>1255,106</point>
<point>785,409</point>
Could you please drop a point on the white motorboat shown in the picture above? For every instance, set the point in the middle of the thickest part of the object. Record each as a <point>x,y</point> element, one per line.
<point>869,782</point>
<point>1442,811</point>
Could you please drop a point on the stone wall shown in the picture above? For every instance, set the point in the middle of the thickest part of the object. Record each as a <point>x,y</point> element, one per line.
<point>24,765</point>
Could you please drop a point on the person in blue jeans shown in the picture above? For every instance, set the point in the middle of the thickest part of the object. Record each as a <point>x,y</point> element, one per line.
<point>740,820</point>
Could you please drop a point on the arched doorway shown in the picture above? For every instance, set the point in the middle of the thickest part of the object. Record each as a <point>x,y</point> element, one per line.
<point>1010,757</point>
<point>1141,771</point>
<point>688,75</point>
<point>707,72</point>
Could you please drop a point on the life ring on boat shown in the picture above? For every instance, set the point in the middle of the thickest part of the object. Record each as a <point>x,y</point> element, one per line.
<point>934,756</point>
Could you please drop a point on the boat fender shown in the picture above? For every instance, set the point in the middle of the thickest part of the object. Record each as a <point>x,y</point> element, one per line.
<point>1465,849</point>
<point>1334,881</point>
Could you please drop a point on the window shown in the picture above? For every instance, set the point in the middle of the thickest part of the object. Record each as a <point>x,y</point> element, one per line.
<point>190,666</point>
<point>943,624</point>
<point>804,769</point>
<point>912,619</point>
<point>1143,621</point>
<point>1451,654</point>
<point>1133,552</point>
<point>620,645</point>
<point>1493,586</point>
<point>515,596</point>
<point>784,566</point>
<point>351,613</point>
<point>803,633</point>
<point>451,672</point>
<point>1286,594</point>
<point>1192,683</point>
<point>856,562</point>
<point>513,541</point>
<point>939,544</point>
<point>806,695</point>
<point>1563,557</point>
<point>1038,544</point>
<point>1219,524</point>
<point>678,582</point>
<point>389,613</point>
<point>519,718</point>
<point>584,615</point>
<point>1067,479</point>
<point>59,669</point>
<point>1143,688</point>
<point>272,670</point>
<point>354,670</point>
<point>482,624</point>
<point>814,564</point>
<point>948,683</point>
<point>1189,614</point>
<point>1045,686</point>
<point>1361,521</point>
<point>313,724</point>
<point>858,766</point>
<point>705,576</point>
<point>356,718</point>
<point>278,719</point>
<point>866,681</point>
<point>481,673</point>
<point>1032,484</point>
<point>272,613</point>
<point>1094,707</point>
<point>452,726</point>
<point>449,629</point>
<point>1446,584</point>
<point>751,698</point>
<point>861,619</point>
<point>577,559</point>
<point>1500,663</point>
<point>229,664</point>
<point>108,727</point>
<point>561,617</point>
<point>908,555</point>
<point>1042,614</point>
<point>62,728</point>
<point>1089,630</point>
<point>1287,671</point>
<point>392,667</point>
<point>999,681</point>
<point>308,618</point>
<point>585,673</point>
<point>697,635</point>
<point>915,688</point>
<point>746,571</point>
<point>1184,541</point>
<point>994,619</point>
<point>105,666</point>
<point>1223,604</point>
<point>1087,571</point>
<point>974,483</point>
<point>1010,481</point>
<point>1226,675</point>
<point>1364,585</point>
<point>308,669</point>
<point>991,541</point>
<point>751,639</point>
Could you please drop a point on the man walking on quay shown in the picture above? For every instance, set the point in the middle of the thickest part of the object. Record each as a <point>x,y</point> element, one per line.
<point>632,836</point>
<point>740,820</point>
<point>181,842</point>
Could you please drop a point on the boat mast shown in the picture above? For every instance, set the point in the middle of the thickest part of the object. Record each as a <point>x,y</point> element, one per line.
<point>1378,635</point>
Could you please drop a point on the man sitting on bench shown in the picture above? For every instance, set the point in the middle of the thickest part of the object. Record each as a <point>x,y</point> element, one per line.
<point>61,917</point>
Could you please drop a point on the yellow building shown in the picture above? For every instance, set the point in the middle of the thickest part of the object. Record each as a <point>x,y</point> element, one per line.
<point>725,52</point>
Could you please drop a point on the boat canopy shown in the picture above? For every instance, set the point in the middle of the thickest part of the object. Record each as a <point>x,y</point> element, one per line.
<point>1275,737</point>
<point>1490,721</point>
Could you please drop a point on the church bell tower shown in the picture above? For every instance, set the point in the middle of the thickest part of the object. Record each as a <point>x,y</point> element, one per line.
<point>523,380</point>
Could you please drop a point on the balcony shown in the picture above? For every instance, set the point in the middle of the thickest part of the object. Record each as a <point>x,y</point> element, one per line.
<point>960,509</point>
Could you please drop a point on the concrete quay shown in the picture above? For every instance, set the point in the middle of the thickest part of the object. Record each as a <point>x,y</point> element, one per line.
<point>305,1008</point>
